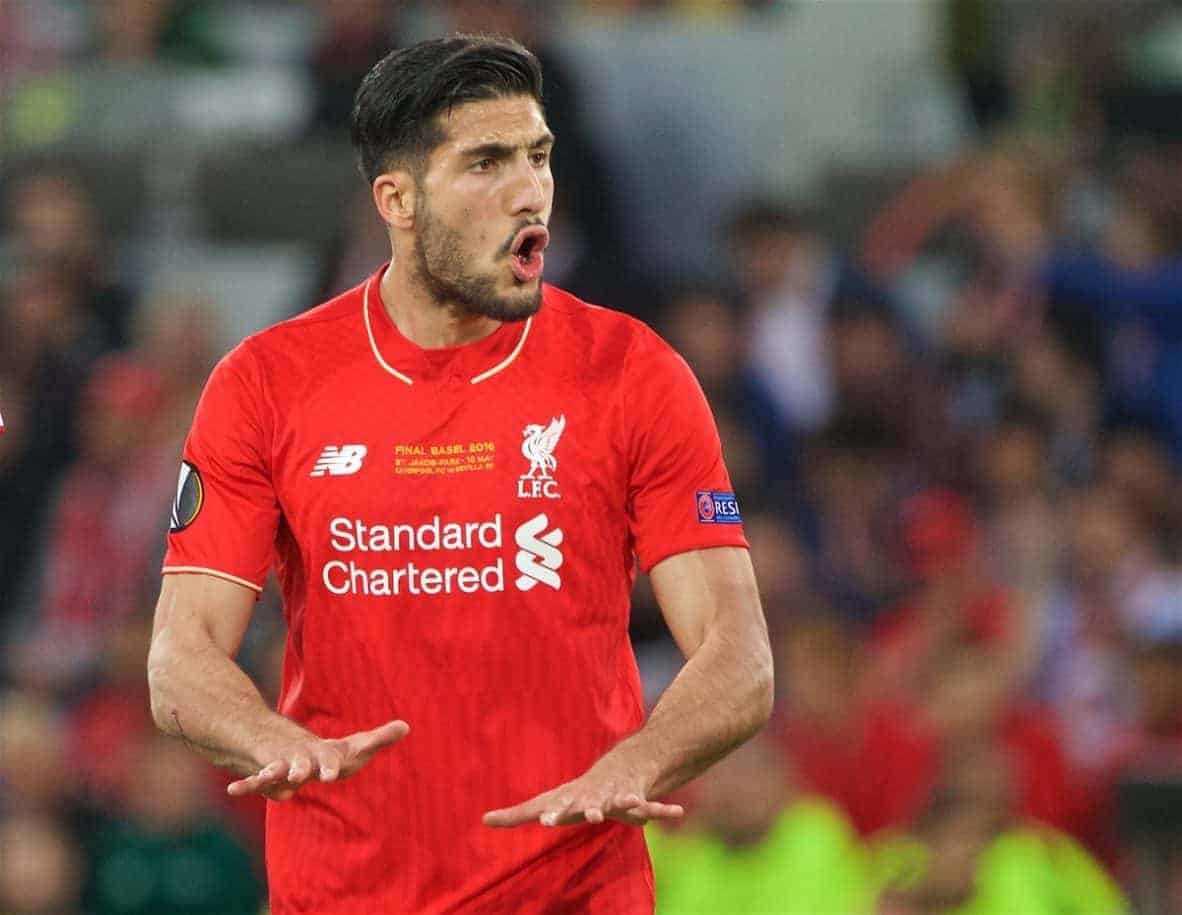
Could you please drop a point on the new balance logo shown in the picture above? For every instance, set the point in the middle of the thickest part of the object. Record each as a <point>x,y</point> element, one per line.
<point>339,461</point>
<point>538,555</point>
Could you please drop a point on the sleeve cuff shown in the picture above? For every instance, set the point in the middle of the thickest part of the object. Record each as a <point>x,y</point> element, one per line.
<point>648,560</point>
<point>216,573</point>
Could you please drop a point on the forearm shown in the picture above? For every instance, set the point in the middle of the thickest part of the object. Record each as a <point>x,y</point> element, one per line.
<point>721,697</point>
<point>201,696</point>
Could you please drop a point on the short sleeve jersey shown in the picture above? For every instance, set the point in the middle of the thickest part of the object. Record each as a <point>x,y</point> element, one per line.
<point>455,534</point>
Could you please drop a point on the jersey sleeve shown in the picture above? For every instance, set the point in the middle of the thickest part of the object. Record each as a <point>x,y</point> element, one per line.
<point>679,492</point>
<point>225,515</point>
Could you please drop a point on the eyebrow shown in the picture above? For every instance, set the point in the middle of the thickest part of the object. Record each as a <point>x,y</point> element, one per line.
<point>504,150</point>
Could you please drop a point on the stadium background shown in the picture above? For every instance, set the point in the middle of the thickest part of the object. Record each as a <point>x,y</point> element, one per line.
<point>926,260</point>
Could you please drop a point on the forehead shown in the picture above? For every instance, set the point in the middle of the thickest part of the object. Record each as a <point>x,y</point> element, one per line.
<point>513,120</point>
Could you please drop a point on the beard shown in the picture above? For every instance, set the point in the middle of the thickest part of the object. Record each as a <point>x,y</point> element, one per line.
<point>446,276</point>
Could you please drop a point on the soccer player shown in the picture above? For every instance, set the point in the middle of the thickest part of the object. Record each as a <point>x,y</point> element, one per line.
<point>453,469</point>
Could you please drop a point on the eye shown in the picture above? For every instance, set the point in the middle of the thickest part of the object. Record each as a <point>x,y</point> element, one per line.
<point>539,157</point>
<point>485,165</point>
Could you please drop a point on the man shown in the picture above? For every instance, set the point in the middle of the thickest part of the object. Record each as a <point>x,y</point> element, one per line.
<point>452,467</point>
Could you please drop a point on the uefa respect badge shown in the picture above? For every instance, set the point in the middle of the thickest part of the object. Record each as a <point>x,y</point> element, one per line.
<point>718,508</point>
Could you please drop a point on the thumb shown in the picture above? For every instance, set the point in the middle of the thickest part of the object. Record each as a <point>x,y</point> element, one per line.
<point>366,743</point>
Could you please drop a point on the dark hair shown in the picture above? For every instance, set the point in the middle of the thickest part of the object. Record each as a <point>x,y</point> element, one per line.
<point>394,111</point>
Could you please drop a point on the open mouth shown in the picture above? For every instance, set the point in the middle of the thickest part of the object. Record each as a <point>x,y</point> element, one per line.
<point>525,253</point>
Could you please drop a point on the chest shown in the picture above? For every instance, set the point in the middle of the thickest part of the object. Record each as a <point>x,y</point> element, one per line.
<point>451,462</point>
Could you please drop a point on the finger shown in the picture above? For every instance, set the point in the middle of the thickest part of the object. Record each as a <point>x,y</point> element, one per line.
<point>561,811</point>
<point>650,810</point>
<point>268,775</point>
<point>528,812</point>
<point>300,769</point>
<point>328,765</point>
<point>239,788</point>
<point>656,811</point>
<point>593,815</point>
<point>283,792</point>
<point>366,743</point>
<point>252,783</point>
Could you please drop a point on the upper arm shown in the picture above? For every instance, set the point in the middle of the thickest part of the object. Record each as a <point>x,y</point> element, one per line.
<point>226,514</point>
<point>679,492</point>
<point>710,589</point>
<point>197,610</point>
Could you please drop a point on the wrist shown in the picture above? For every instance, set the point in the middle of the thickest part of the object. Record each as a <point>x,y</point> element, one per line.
<point>635,763</point>
<point>276,742</point>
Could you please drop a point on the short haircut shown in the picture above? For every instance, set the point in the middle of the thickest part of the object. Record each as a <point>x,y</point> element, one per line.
<point>394,119</point>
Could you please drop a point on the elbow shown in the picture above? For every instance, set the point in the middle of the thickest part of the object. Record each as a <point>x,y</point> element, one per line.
<point>157,692</point>
<point>159,689</point>
<point>761,685</point>
<point>763,694</point>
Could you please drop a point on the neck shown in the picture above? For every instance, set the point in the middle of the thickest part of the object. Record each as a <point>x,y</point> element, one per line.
<point>425,321</point>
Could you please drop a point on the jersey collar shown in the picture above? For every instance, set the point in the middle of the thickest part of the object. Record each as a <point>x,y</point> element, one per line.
<point>412,364</point>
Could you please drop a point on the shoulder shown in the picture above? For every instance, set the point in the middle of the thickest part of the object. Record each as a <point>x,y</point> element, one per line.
<point>601,333</point>
<point>309,327</point>
<point>303,343</point>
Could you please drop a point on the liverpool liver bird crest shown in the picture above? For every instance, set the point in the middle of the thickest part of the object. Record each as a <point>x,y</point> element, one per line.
<point>538,447</point>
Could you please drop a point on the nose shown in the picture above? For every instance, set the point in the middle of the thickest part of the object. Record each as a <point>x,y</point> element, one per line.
<point>527,195</point>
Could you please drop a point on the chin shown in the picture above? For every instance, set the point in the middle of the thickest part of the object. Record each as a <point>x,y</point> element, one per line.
<point>521,303</point>
<point>525,306</point>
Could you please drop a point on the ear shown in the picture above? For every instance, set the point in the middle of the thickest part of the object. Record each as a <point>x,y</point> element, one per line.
<point>394,196</point>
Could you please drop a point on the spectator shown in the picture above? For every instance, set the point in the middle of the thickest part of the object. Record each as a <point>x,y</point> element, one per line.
<point>1149,742</point>
<point>350,39</point>
<point>968,855</point>
<point>1130,285</point>
<point>36,38</point>
<point>969,710</point>
<point>878,382</point>
<point>41,869</point>
<point>707,327</point>
<point>130,33</point>
<point>111,719</point>
<point>49,344</point>
<point>1051,376</point>
<point>33,765</point>
<point>357,248</point>
<point>991,214</point>
<point>1022,526</point>
<point>754,845</point>
<point>782,567</point>
<point>852,483</point>
<point>165,852</point>
<point>176,335</point>
<point>785,269</point>
<point>1083,668</point>
<point>594,268</point>
<point>1137,465</point>
<point>105,526</point>
<point>54,226</point>
<point>844,743</point>
<point>955,601</point>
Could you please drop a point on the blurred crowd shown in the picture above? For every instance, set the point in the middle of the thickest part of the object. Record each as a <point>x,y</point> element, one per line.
<point>956,437</point>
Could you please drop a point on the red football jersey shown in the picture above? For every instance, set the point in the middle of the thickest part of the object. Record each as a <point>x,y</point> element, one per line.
<point>454,532</point>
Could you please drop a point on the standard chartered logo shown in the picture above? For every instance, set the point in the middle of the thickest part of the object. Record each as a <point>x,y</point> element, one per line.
<point>537,558</point>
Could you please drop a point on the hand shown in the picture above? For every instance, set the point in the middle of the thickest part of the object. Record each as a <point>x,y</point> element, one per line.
<point>314,759</point>
<point>598,795</point>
